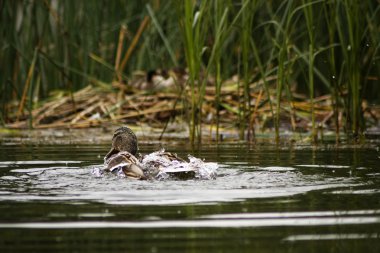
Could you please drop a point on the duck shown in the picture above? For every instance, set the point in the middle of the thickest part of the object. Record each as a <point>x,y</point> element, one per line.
<point>124,159</point>
<point>121,159</point>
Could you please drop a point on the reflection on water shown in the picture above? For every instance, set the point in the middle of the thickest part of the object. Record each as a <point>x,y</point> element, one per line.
<point>331,237</point>
<point>264,198</point>
<point>221,221</point>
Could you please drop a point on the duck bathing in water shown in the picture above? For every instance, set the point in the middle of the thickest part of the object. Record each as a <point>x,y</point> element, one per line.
<point>125,160</point>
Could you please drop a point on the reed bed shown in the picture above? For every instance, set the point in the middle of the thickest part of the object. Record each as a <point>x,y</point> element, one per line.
<point>97,105</point>
<point>298,63</point>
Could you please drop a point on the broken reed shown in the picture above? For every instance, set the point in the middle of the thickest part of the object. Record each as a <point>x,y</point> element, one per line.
<point>314,48</point>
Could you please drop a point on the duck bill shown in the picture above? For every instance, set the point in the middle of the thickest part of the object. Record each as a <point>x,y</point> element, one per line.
<point>111,153</point>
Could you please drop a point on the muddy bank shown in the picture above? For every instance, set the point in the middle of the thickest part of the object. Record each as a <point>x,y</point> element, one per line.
<point>173,134</point>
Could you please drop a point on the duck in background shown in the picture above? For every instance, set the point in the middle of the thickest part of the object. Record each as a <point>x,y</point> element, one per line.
<point>124,159</point>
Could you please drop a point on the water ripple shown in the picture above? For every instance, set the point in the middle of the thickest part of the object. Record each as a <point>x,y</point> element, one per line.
<point>73,184</point>
<point>200,223</point>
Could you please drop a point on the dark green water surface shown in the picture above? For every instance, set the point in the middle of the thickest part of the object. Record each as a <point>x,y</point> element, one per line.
<point>265,199</point>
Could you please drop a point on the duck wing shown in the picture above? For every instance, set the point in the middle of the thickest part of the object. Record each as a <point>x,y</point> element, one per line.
<point>127,163</point>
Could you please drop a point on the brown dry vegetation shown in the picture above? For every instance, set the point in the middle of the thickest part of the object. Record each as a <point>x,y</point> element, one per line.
<point>158,102</point>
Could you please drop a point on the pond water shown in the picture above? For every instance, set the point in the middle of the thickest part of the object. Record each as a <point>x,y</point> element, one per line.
<point>265,198</point>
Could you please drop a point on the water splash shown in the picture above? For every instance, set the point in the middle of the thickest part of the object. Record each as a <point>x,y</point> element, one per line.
<point>165,166</point>
<point>161,165</point>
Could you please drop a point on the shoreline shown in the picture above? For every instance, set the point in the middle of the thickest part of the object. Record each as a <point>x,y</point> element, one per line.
<point>179,134</point>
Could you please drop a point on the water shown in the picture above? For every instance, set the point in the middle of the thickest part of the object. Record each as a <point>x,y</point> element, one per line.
<point>266,199</point>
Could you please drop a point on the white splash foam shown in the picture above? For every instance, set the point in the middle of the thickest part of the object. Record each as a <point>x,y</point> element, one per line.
<point>160,165</point>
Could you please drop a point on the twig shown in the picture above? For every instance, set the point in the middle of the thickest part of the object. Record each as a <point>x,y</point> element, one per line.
<point>134,43</point>
<point>27,84</point>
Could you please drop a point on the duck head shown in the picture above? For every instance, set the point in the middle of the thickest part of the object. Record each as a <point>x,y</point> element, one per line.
<point>123,140</point>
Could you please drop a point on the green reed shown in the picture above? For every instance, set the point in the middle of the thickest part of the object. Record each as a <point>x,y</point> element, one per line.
<point>330,12</point>
<point>352,55</point>
<point>245,38</point>
<point>308,12</point>
<point>355,32</point>
<point>218,16</point>
<point>195,51</point>
<point>312,47</point>
<point>193,44</point>
<point>282,42</point>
